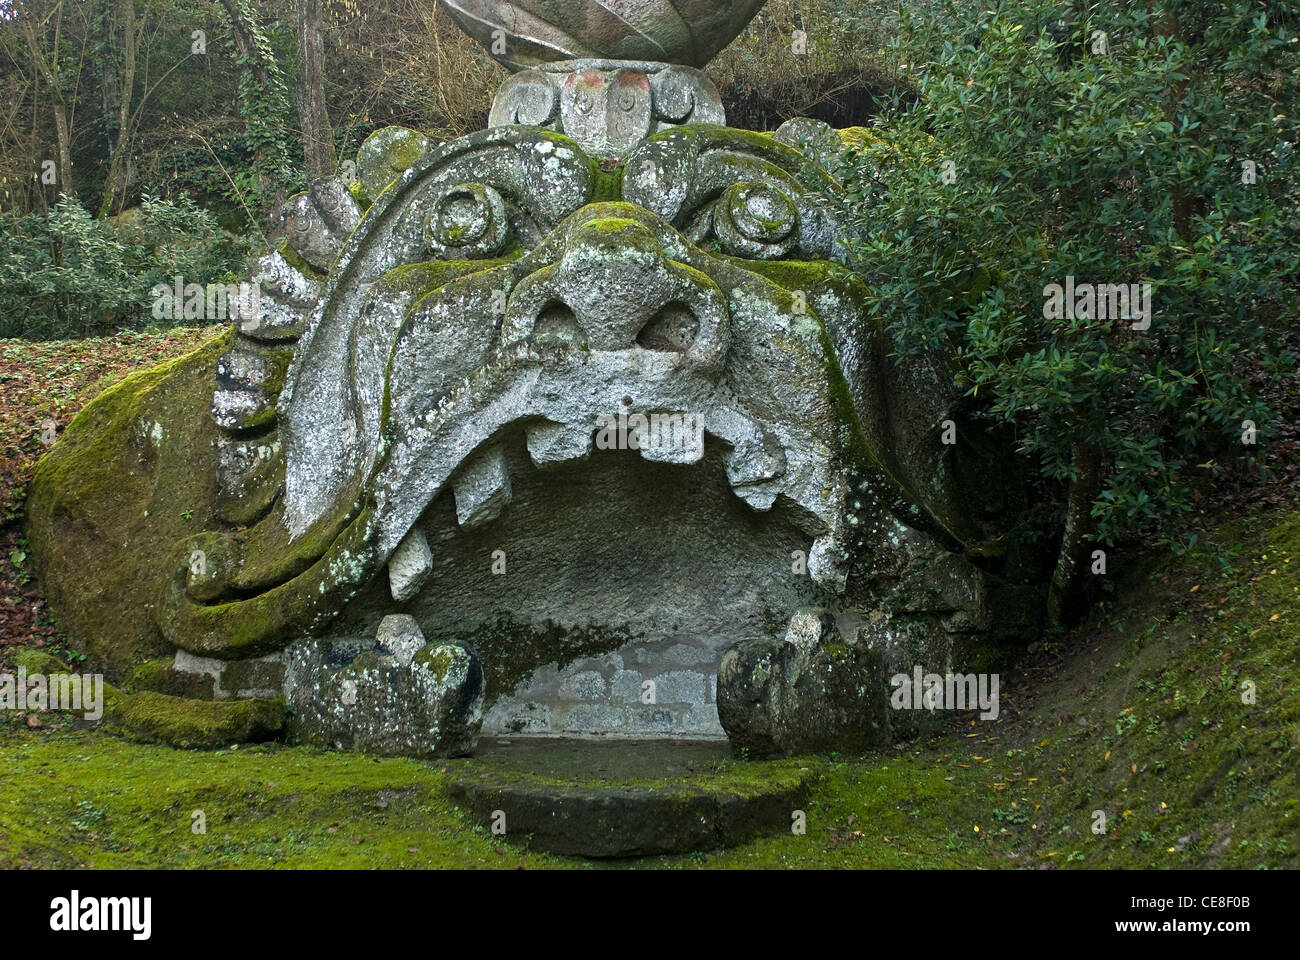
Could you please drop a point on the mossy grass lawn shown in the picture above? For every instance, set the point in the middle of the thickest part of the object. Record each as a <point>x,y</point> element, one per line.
<point>1139,714</point>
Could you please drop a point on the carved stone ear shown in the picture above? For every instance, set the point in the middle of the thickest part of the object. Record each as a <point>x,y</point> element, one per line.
<point>468,222</point>
<point>318,222</point>
<point>511,181</point>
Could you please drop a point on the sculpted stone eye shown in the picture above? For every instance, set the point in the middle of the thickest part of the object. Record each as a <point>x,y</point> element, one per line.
<point>468,222</point>
<point>756,220</point>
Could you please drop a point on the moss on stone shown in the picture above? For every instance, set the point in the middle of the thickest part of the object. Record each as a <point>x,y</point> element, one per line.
<point>296,261</point>
<point>38,661</point>
<point>129,470</point>
<point>198,724</point>
<point>359,195</point>
<point>159,676</point>
<point>436,659</point>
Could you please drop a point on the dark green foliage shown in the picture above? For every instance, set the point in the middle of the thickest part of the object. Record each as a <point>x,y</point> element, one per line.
<point>1029,156</point>
<point>70,275</point>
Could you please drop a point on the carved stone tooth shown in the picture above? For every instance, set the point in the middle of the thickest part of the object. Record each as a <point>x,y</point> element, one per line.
<point>482,488</point>
<point>673,438</point>
<point>759,496</point>
<point>754,460</point>
<point>409,566</point>
<point>825,564</point>
<point>550,444</point>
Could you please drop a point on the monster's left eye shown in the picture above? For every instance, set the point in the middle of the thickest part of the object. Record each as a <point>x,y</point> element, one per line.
<point>468,222</point>
<point>756,220</point>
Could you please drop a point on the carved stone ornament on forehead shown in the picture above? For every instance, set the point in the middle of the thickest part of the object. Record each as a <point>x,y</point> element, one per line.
<point>607,106</point>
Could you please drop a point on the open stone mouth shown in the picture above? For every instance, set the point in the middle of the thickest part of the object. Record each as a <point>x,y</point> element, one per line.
<point>413,406</point>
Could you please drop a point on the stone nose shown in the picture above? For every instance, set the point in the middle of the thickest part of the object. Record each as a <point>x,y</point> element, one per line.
<point>614,288</point>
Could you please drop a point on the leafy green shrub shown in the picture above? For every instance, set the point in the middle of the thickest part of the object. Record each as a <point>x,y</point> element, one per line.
<point>1040,149</point>
<point>71,275</point>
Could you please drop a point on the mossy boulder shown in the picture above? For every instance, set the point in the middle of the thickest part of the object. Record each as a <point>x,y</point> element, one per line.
<point>385,155</point>
<point>129,478</point>
<point>426,703</point>
<point>809,691</point>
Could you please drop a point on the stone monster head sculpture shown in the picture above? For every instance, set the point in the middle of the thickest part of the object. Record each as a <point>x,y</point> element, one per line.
<point>587,397</point>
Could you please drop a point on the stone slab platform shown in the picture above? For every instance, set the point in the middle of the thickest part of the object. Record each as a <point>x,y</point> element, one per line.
<point>626,798</point>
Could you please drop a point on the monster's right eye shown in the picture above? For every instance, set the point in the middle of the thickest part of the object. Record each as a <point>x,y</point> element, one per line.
<point>468,222</point>
<point>756,220</point>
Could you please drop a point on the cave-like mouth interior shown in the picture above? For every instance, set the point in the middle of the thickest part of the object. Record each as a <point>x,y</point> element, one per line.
<point>600,600</point>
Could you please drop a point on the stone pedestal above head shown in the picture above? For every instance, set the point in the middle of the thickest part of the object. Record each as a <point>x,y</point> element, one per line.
<point>607,106</point>
<point>529,33</point>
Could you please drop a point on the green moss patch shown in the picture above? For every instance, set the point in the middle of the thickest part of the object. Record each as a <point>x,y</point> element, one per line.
<point>202,724</point>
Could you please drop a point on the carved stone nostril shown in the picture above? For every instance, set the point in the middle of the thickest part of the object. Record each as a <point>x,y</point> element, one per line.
<point>557,323</point>
<point>673,329</point>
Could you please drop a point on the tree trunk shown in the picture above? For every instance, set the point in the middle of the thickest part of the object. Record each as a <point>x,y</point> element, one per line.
<point>317,138</point>
<point>1072,559</point>
<point>118,167</point>
<point>270,191</point>
<point>48,73</point>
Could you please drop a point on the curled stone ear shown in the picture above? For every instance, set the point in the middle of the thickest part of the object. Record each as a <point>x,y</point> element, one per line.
<point>317,223</point>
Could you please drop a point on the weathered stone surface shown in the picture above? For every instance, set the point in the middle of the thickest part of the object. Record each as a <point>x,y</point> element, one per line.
<point>607,106</point>
<point>399,636</point>
<point>317,223</point>
<point>238,679</point>
<point>286,297</point>
<point>431,706</point>
<point>808,691</point>
<point>525,33</point>
<point>386,154</point>
<point>249,379</point>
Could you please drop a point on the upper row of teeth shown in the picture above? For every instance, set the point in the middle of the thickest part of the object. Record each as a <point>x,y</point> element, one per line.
<point>482,489</point>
